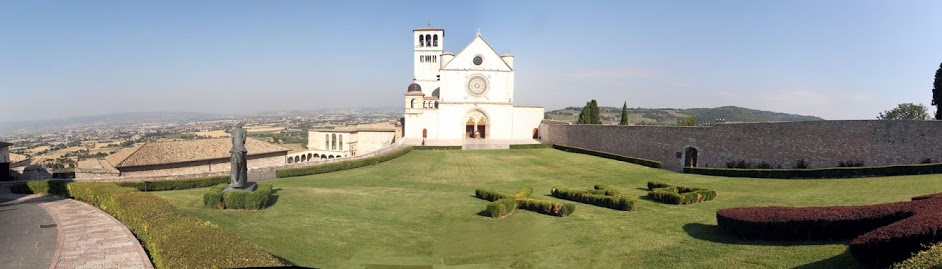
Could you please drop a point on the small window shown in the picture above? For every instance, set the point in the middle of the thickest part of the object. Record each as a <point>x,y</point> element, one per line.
<point>428,40</point>
<point>435,41</point>
<point>478,60</point>
<point>421,41</point>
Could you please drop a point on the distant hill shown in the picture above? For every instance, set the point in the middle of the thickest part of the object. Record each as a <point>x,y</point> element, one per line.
<point>667,116</point>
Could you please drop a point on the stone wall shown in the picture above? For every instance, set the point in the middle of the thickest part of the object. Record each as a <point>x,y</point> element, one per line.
<point>821,143</point>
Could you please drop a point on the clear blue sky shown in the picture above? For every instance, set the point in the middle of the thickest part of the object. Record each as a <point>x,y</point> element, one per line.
<point>834,59</point>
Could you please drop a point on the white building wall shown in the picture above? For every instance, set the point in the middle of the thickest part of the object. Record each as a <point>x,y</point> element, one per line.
<point>525,120</point>
<point>370,141</point>
<point>500,90</point>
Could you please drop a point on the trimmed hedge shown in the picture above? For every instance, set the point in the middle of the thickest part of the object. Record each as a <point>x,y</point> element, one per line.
<point>882,233</point>
<point>617,202</point>
<point>657,185</point>
<point>833,172</point>
<point>57,187</point>
<point>605,190</point>
<point>173,239</point>
<point>339,166</point>
<point>678,195</point>
<point>531,146</point>
<point>437,147</point>
<point>521,200</point>
<point>930,258</point>
<point>501,207</point>
<point>489,195</point>
<point>252,200</point>
<point>166,185</point>
<point>212,198</point>
<point>547,207</point>
<point>638,161</point>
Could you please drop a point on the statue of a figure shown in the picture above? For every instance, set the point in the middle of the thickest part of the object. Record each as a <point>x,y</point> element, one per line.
<point>239,167</point>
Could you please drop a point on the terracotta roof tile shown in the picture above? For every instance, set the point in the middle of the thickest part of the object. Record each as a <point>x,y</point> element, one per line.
<point>157,153</point>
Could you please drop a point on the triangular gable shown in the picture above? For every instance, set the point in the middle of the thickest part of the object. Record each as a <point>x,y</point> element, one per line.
<point>491,60</point>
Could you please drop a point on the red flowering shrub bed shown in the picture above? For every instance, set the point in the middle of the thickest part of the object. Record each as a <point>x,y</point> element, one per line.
<point>879,234</point>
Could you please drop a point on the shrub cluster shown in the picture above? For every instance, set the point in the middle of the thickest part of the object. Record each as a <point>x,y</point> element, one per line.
<point>638,161</point>
<point>681,195</point>
<point>615,201</point>
<point>166,185</point>
<point>437,147</point>
<point>254,200</point>
<point>501,207</point>
<point>57,187</point>
<point>881,234</point>
<point>338,166</point>
<point>531,146</point>
<point>930,258</point>
<point>212,198</point>
<point>833,172</point>
<point>173,239</point>
<point>547,207</point>
<point>503,204</point>
<point>489,195</point>
<point>604,190</point>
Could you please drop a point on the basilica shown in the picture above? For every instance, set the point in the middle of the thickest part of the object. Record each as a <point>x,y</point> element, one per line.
<point>465,98</point>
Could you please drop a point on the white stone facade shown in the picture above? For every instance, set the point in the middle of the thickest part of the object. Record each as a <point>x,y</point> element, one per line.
<point>468,97</point>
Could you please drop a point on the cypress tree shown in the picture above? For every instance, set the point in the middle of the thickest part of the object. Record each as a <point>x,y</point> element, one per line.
<point>624,114</point>
<point>595,116</point>
<point>584,115</point>
<point>937,93</point>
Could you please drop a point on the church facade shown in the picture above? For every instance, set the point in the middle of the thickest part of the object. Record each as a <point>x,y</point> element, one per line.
<point>466,98</point>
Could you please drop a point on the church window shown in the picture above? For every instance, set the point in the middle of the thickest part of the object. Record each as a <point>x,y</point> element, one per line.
<point>436,104</point>
<point>326,141</point>
<point>340,142</point>
<point>421,41</point>
<point>413,103</point>
<point>421,59</point>
<point>435,41</point>
<point>435,58</point>
<point>478,60</point>
<point>428,40</point>
<point>333,142</point>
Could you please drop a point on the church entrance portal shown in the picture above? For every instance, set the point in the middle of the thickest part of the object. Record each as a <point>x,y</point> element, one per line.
<point>475,129</point>
<point>690,157</point>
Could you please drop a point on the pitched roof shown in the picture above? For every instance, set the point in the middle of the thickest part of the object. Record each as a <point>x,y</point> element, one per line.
<point>470,47</point>
<point>157,153</point>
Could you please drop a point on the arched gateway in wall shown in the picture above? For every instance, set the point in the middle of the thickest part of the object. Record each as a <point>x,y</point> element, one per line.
<point>476,125</point>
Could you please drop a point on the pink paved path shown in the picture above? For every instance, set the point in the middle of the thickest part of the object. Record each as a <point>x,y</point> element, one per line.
<point>90,238</point>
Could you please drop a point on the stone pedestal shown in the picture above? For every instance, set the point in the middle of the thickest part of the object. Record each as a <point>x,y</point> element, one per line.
<point>249,186</point>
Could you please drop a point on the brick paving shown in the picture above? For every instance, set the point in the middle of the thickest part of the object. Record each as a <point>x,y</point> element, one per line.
<point>90,238</point>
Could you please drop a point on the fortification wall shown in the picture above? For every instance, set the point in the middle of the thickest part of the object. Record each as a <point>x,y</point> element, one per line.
<point>821,143</point>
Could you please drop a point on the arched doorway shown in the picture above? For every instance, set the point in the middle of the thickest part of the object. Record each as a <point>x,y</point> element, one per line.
<point>536,133</point>
<point>690,157</point>
<point>469,128</point>
<point>482,129</point>
<point>424,133</point>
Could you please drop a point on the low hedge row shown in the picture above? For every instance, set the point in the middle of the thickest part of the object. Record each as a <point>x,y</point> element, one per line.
<point>547,207</point>
<point>501,207</point>
<point>252,200</point>
<point>57,187</point>
<point>930,258</point>
<point>638,161</point>
<point>501,203</point>
<point>338,166</point>
<point>531,146</point>
<point>604,190</point>
<point>437,147</point>
<point>173,239</point>
<point>489,195</point>
<point>881,234</point>
<point>834,172</point>
<point>678,195</point>
<point>166,185</point>
<point>617,202</point>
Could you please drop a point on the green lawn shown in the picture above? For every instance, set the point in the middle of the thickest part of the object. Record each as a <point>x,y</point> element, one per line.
<point>419,209</point>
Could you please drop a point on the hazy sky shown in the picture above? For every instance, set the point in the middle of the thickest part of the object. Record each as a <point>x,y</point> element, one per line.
<point>834,59</point>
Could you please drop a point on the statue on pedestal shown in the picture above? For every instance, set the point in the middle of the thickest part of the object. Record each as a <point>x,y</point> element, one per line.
<point>240,168</point>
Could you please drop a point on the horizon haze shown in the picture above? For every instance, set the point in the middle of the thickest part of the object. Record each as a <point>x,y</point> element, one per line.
<point>835,59</point>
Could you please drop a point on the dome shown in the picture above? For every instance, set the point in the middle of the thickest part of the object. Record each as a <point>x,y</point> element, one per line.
<point>414,87</point>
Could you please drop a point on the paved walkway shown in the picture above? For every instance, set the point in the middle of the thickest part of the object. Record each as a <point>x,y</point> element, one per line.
<point>27,233</point>
<point>87,237</point>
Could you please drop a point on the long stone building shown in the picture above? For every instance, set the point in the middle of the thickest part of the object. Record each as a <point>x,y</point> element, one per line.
<point>161,159</point>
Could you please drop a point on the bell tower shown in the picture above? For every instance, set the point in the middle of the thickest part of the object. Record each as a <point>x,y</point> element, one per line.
<point>427,60</point>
